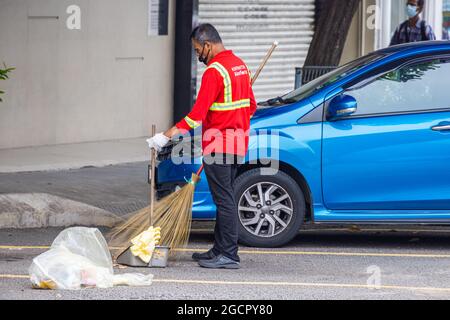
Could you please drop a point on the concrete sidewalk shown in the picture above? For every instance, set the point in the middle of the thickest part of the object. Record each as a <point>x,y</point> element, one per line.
<point>119,189</point>
<point>73,156</point>
<point>73,184</point>
<point>73,197</point>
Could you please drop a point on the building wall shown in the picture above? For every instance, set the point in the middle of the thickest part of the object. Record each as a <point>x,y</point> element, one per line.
<point>109,80</point>
<point>352,44</point>
<point>361,37</point>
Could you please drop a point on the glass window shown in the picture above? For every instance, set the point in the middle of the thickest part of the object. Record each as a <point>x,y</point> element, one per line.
<point>418,86</point>
<point>446,20</point>
<point>329,78</point>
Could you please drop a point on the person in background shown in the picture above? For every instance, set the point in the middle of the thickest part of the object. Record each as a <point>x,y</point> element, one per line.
<point>446,34</point>
<point>414,29</point>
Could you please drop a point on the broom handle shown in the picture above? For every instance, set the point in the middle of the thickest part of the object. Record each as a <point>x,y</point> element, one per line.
<point>152,181</point>
<point>199,172</point>
<point>260,68</point>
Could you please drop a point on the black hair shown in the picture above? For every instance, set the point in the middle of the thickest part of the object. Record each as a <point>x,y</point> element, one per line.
<point>206,32</point>
<point>421,3</point>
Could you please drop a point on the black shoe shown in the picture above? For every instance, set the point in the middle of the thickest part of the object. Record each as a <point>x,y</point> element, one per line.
<point>203,256</point>
<point>220,262</point>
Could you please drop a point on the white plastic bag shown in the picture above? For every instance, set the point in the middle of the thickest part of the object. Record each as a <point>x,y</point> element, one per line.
<point>132,279</point>
<point>78,258</point>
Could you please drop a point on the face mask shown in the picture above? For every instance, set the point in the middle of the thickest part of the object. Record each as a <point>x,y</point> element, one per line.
<point>204,59</point>
<point>411,11</point>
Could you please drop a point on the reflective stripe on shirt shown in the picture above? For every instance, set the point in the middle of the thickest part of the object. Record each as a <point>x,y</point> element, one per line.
<point>228,103</point>
<point>245,103</point>
<point>228,93</point>
<point>193,124</point>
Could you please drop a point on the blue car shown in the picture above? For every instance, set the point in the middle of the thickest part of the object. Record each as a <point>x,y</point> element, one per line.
<point>366,143</point>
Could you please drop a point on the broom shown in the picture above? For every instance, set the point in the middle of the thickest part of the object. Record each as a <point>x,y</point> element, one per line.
<point>173,213</point>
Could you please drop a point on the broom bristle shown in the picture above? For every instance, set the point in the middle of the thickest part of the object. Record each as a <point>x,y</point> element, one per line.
<point>173,214</point>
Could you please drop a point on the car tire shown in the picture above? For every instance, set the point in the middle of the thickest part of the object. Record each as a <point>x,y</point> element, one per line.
<point>282,183</point>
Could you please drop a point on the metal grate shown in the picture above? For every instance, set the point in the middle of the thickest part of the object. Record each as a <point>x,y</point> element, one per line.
<point>307,74</point>
<point>191,144</point>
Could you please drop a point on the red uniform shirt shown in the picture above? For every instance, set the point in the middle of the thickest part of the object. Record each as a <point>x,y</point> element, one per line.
<point>224,106</point>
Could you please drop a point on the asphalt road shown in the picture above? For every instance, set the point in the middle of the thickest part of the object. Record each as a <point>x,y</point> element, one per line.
<point>337,263</point>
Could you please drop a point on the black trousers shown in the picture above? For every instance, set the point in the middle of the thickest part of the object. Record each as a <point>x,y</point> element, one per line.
<point>220,175</point>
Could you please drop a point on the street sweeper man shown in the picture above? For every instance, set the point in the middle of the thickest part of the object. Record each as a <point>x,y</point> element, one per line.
<point>223,109</point>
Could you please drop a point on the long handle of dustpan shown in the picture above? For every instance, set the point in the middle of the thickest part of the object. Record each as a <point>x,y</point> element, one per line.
<point>260,68</point>
<point>152,181</point>
<point>264,62</point>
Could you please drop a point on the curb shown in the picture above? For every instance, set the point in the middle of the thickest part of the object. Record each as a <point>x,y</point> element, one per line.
<point>68,165</point>
<point>41,210</point>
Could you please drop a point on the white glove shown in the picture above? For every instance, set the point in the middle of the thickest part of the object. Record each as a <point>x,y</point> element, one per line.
<point>158,141</point>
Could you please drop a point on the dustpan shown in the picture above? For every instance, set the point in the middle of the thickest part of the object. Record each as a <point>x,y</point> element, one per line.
<point>160,254</point>
<point>159,258</point>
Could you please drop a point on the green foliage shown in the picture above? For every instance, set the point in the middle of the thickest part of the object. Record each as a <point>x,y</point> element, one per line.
<point>4,75</point>
<point>415,72</point>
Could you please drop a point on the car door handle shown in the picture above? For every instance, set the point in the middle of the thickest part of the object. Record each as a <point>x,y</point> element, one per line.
<point>445,126</point>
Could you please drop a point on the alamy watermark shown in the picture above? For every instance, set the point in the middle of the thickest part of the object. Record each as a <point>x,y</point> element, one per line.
<point>263,148</point>
<point>73,22</point>
<point>374,280</point>
<point>373,21</point>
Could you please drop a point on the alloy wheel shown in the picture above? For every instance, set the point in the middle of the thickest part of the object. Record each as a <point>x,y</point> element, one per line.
<point>265,209</point>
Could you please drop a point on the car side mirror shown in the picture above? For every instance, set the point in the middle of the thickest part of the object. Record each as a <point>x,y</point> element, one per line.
<point>341,106</point>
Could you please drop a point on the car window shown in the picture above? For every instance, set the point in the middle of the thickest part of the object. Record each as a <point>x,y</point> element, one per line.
<point>330,78</point>
<point>415,87</point>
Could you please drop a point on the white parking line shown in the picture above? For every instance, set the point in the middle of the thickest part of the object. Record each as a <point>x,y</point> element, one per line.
<point>278,252</point>
<point>356,230</point>
<point>327,253</point>
<point>276,284</point>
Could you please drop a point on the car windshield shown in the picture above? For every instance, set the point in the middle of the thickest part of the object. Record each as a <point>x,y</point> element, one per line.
<point>327,79</point>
